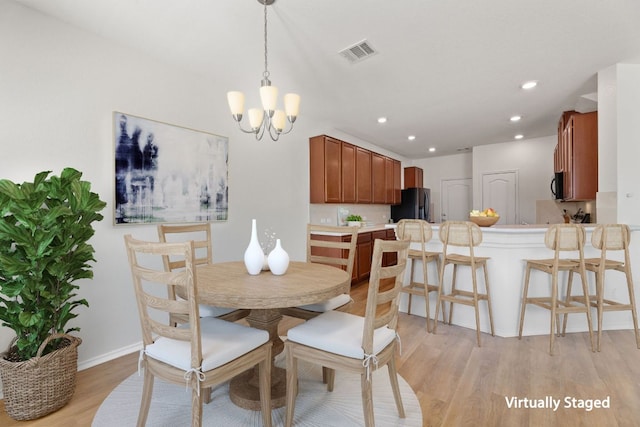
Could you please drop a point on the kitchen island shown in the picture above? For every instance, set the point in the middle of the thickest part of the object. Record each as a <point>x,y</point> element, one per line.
<point>508,246</point>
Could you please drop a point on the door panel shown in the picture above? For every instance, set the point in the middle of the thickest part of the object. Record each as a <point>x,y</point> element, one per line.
<point>456,199</point>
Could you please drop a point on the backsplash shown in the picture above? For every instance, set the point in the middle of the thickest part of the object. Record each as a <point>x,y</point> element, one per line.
<point>551,211</point>
<point>327,213</point>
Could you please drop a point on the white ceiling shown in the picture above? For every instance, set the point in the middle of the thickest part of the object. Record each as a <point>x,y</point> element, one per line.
<point>447,71</point>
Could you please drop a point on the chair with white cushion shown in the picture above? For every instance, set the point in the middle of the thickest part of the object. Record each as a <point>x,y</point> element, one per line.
<point>201,236</point>
<point>331,245</point>
<point>201,353</point>
<point>344,341</point>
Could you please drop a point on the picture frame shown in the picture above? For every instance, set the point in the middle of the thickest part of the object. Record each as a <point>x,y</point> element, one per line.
<point>168,173</point>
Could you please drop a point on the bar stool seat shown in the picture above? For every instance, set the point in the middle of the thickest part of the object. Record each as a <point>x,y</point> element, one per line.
<point>610,238</point>
<point>559,238</point>
<point>419,231</point>
<point>468,235</point>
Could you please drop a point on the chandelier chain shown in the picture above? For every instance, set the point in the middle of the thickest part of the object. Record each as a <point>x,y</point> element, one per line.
<point>265,74</point>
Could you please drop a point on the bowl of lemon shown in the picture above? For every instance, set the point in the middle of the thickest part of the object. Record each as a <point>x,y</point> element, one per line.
<point>485,218</point>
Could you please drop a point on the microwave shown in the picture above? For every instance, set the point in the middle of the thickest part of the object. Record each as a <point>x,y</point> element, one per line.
<point>557,185</point>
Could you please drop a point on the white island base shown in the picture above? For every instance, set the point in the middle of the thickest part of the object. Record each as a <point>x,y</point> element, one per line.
<point>508,246</point>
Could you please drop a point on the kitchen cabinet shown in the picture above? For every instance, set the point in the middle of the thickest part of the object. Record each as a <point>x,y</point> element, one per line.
<point>325,169</point>
<point>413,177</point>
<point>364,251</point>
<point>576,155</point>
<point>348,179</point>
<point>363,176</point>
<point>379,179</point>
<point>340,172</point>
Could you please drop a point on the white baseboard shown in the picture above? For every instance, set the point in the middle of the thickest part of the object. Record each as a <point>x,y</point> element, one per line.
<point>110,356</point>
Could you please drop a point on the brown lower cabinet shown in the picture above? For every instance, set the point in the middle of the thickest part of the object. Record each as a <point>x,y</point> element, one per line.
<point>364,251</point>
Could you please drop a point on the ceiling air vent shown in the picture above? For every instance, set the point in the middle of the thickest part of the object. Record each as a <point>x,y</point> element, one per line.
<point>358,52</point>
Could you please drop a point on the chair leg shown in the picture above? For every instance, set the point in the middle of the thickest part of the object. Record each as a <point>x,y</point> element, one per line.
<point>147,391</point>
<point>474,281</point>
<point>196,404</point>
<point>632,301</point>
<point>413,265</point>
<point>453,288</point>
<point>367,400</point>
<point>439,301</point>
<point>600,302</point>
<point>292,383</point>
<point>331,379</point>
<point>587,303</point>
<point>486,284</point>
<point>438,263</point>
<point>393,377</point>
<point>265,388</point>
<point>525,294</point>
<point>567,300</point>
<point>425,276</point>
<point>554,305</point>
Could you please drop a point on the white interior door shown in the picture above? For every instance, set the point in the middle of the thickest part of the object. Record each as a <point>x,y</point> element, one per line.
<point>456,199</point>
<point>500,192</point>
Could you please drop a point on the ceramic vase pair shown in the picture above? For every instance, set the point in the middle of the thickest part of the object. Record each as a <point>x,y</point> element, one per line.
<point>254,258</point>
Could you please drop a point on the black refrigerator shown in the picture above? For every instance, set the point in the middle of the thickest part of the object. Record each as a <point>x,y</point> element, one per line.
<point>415,204</point>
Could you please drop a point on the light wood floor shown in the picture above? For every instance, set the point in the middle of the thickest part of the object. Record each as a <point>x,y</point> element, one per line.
<point>457,383</point>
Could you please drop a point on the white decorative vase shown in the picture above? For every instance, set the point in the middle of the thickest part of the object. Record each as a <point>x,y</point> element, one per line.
<point>278,260</point>
<point>253,255</point>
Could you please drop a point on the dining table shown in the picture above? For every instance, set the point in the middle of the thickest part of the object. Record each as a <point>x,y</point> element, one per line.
<point>229,285</point>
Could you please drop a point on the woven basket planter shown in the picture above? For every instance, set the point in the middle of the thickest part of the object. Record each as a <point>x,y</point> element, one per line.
<point>42,384</point>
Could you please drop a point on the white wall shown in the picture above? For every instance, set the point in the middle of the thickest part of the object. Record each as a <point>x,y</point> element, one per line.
<point>457,166</point>
<point>618,199</point>
<point>532,159</point>
<point>59,87</point>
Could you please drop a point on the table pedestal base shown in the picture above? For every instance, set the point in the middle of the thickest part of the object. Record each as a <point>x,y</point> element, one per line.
<point>244,389</point>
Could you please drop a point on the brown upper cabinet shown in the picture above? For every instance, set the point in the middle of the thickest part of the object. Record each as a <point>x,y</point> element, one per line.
<point>345,173</point>
<point>576,155</point>
<point>413,177</point>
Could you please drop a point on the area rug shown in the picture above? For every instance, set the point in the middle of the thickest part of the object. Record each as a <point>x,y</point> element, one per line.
<point>315,406</point>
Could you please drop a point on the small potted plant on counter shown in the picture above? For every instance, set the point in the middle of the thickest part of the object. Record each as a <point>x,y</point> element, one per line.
<point>354,221</point>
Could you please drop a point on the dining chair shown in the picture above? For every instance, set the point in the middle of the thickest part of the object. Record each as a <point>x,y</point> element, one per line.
<point>609,238</point>
<point>458,235</point>
<point>201,236</point>
<point>419,232</point>
<point>344,341</point>
<point>561,239</point>
<point>201,353</point>
<point>335,246</point>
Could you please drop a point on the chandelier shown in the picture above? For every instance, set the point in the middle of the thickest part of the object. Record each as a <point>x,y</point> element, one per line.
<point>268,119</point>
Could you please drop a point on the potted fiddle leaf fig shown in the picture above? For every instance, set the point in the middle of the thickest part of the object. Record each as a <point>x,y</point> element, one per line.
<point>45,226</point>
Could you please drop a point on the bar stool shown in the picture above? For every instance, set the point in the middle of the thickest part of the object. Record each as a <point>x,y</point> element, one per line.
<point>559,238</point>
<point>608,238</point>
<point>468,235</point>
<point>419,231</point>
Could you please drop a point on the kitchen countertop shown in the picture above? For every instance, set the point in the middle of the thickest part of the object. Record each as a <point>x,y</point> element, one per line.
<point>364,229</point>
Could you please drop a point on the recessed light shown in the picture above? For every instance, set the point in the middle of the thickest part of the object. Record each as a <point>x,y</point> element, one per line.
<point>529,85</point>
<point>515,118</point>
<point>411,137</point>
<point>519,136</point>
<point>432,149</point>
<point>382,120</point>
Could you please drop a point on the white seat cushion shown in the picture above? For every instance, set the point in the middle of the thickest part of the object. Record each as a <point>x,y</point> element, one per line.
<point>211,311</point>
<point>328,305</point>
<point>222,342</point>
<point>340,333</point>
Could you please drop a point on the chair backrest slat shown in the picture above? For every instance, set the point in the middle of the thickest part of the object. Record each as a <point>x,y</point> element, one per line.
<point>326,245</point>
<point>385,283</point>
<point>152,284</point>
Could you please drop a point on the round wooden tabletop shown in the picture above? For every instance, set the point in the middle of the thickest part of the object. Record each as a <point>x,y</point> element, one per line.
<point>228,284</point>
